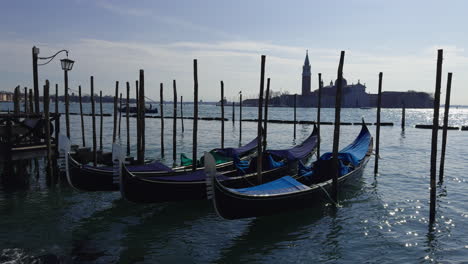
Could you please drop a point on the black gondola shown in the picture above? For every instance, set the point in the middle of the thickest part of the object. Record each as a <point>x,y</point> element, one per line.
<point>288,193</point>
<point>101,178</point>
<point>192,186</point>
<point>133,110</point>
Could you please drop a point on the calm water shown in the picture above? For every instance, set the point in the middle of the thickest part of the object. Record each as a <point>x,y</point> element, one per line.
<point>383,219</point>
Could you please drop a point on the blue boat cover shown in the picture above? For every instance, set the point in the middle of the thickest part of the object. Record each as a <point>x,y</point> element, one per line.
<point>355,151</point>
<point>284,184</point>
<point>298,152</point>
<point>236,152</point>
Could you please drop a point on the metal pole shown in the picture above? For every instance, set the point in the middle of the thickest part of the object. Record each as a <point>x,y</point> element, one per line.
<point>67,106</point>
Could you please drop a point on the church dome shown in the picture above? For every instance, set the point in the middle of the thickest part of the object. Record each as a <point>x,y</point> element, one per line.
<point>344,82</point>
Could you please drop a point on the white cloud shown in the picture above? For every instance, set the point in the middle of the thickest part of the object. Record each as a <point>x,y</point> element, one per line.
<point>236,62</point>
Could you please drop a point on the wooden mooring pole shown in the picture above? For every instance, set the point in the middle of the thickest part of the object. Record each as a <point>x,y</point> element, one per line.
<point>93,120</point>
<point>142,108</point>
<point>25,100</point>
<point>67,105</point>
<point>295,111</point>
<point>265,119</point>
<point>259,123</point>
<point>319,106</point>
<point>101,120</point>
<point>435,127</point>
<point>46,103</point>
<point>116,96</point>
<point>182,112</point>
<point>403,116</point>
<point>57,119</point>
<point>444,133</point>
<point>174,126</point>
<point>222,114</point>
<point>161,105</point>
<point>377,134</point>
<point>240,117</point>
<point>120,114</point>
<point>127,117</point>
<point>195,115</point>
<point>138,123</point>
<point>81,116</point>
<point>336,132</point>
<point>31,106</point>
<point>16,100</point>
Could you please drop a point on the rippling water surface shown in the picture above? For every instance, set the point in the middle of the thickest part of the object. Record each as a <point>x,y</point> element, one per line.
<point>382,219</point>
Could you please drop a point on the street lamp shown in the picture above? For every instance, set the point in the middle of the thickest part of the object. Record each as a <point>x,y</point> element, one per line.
<point>66,64</point>
<point>35,58</point>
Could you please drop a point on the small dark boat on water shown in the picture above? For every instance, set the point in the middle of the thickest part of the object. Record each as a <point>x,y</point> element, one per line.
<point>288,192</point>
<point>133,110</point>
<point>101,178</point>
<point>192,186</point>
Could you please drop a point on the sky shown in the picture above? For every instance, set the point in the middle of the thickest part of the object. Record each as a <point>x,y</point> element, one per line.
<point>113,40</point>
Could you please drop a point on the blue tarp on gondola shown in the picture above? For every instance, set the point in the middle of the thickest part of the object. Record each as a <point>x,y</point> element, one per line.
<point>236,152</point>
<point>153,166</point>
<point>355,151</point>
<point>282,185</point>
<point>298,152</point>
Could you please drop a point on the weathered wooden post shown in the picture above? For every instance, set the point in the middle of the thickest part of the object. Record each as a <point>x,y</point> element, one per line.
<point>259,123</point>
<point>377,134</point>
<point>93,120</point>
<point>295,104</point>
<point>319,106</point>
<point>233,113</point>
<point>114,132</point>
<point>403,118</point>
<point>67,105</point>
<point>25,100</point>
<point>195,115</point>
<point>16,101</point>
<point>161,105</point>
<point>182,112</point>
<point>47,130</point>
<point>336,132</point>
<point>102,121</point>
<point>81,115</point>
<point>120,114</point>
<point>127,113</point>
<point>57,119</point>
<point>31,106</point>
<point>222,114</point>
<point>435,127</point>
<point>174,126</point>
<point>265,120</point>
<point>444,133</point>
<point>35,53</point>
<point>138,119</point>
<point>143,115</point>
<point>240,117</point>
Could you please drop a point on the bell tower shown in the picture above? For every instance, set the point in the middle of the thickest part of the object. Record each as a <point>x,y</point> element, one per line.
<point>306,75</point>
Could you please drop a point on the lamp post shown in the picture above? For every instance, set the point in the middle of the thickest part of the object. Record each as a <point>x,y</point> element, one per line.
<point>66,66</point>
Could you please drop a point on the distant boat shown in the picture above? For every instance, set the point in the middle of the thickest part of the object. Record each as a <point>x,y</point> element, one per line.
<point>133,110</point>
<point>365,107</point>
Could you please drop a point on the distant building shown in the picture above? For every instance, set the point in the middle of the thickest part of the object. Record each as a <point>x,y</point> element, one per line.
<point>353,95</point>
<point>6,96</point>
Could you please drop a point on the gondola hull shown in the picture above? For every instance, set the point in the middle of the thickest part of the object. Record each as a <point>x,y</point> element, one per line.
<point>288,193</point>
<point>92,179</point>
<point>141,190</point>
<point>230,205</point>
